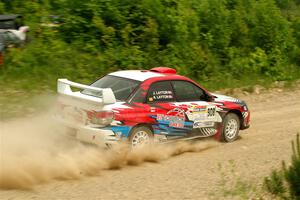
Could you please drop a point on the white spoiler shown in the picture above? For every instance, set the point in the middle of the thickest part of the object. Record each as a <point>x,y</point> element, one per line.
<point>106,95</point>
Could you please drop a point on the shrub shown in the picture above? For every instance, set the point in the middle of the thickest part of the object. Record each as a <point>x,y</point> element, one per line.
<point>292,173</point>
<point>275,183</point>
<point>285,183</point>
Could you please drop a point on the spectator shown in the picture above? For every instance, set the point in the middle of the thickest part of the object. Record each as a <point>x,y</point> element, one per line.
<point>9,37</point>
<point>21,33</point>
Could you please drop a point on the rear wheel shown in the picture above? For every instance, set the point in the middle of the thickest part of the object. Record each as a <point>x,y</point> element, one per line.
<point>140,136</point>
<point>231,127</point>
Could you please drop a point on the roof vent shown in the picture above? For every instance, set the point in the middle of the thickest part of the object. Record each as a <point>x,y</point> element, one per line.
<point>164,70</point>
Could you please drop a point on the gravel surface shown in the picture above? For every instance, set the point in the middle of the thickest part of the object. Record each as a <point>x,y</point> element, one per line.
<point>225,171</point>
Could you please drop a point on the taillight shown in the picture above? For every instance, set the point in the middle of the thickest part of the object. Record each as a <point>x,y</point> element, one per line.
<point>101,117</point>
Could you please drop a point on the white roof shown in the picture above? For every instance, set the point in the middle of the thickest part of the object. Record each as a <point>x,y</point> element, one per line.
<point>139,75</point>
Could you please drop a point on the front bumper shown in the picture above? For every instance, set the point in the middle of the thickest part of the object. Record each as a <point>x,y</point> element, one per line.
<point>246,120</point>
<point>245,127</point>
<point>89,133</point>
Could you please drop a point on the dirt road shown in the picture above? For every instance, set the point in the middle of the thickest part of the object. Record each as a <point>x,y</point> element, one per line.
<point>236,169</point>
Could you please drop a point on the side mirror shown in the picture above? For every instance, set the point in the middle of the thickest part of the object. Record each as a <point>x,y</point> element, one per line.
<point>207,97</point>
<point>211,98</point>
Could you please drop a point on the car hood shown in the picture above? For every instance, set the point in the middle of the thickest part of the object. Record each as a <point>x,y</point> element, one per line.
<point>223,98</point>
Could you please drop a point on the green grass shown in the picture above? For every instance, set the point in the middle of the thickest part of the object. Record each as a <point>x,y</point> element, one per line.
<point>23,103</point>
<point>233,185</point>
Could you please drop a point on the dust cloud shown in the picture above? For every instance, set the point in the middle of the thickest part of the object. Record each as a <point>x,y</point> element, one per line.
<point>35,150</point>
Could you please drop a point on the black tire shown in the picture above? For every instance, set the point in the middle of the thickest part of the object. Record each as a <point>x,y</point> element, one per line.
<point>140,136</point>
<point>231,127</point>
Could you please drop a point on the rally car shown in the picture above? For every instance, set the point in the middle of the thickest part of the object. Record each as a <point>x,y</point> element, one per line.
<point>143,106</point>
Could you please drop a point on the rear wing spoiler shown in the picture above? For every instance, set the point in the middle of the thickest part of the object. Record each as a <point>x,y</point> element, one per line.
<point>104,95</point>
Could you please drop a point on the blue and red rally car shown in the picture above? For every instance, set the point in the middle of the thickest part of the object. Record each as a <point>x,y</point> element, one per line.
<point>148,105</point>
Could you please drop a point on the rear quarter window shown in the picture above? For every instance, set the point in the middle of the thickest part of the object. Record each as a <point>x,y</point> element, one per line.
<point>121,87</point>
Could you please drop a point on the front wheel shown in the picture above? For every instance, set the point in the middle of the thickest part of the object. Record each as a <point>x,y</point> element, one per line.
<point>140,136</point>
<point>231,127</point>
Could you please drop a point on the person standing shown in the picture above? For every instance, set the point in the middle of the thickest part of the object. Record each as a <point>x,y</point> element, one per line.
<point>20,34</point>
<point>11,36</point>
<point>2,47</point>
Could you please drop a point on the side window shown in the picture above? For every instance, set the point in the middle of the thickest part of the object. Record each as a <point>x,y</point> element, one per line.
<point>160,92</point>
<point>186,91</point>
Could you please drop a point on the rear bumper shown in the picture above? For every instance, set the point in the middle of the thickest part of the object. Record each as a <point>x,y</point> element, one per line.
<point>89,133</point>
<point>96,136</point>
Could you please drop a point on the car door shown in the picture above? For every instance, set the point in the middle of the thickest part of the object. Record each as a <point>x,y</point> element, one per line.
<point>169,118</point>
<point>200,112</point>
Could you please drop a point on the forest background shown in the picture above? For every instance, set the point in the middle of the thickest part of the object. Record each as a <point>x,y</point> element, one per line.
<point>219,43</point>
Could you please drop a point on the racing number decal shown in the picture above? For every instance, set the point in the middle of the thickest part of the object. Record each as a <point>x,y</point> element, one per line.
<point>202,116</point>
<point>201,113</point>
<point>211,112</point>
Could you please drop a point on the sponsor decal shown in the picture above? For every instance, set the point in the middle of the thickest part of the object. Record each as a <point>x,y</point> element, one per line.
<point>177,112</point>
<point>201,113</point>
<point>175,118</point>
<point>203,124</point>
<point>226,98</point>
<point>174,121</point>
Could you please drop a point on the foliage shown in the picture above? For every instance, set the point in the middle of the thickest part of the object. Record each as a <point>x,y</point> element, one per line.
<point>292,173</point>
<point>285,183</point>
<point>217,42</point>
<point>274,183</point>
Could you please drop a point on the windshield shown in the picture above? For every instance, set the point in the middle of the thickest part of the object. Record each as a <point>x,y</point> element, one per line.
<point>121,87</point>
